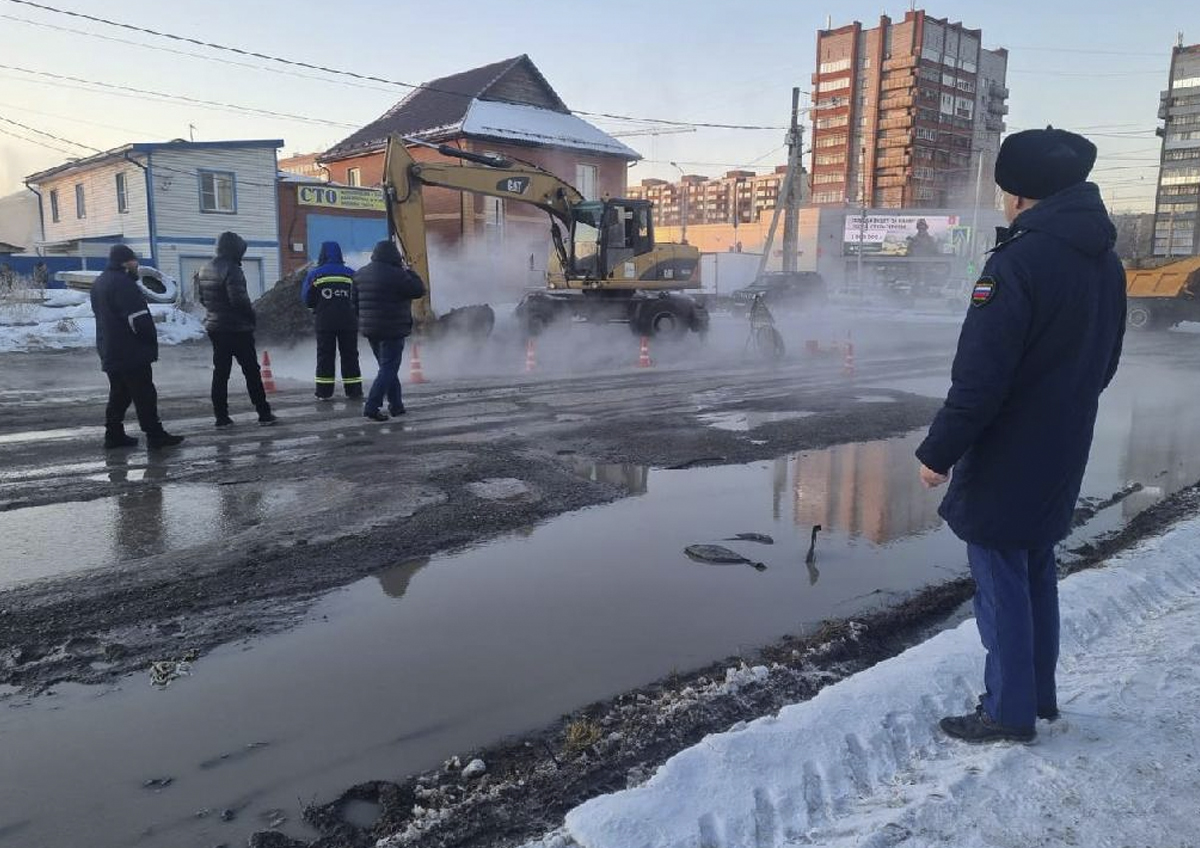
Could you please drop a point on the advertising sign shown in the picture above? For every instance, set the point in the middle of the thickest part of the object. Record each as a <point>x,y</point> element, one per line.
<point>340,197</point>
<point>902,235</point>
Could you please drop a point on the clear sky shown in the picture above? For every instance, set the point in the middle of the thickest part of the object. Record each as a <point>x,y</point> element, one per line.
<point>1093,65</point>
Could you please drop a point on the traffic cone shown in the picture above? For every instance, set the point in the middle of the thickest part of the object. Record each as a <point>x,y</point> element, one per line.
<point>268,379</point>
<point>644,354</point>
<point>530,356</point>
<point>848,364</point>
<point>415,375</point>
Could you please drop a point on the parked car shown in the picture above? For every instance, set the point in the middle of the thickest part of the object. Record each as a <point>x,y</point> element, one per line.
<point>799,289</point>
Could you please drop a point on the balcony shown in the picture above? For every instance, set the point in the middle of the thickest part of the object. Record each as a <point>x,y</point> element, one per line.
<point>995,107</point>
<point>901,81</point>
<point>900,63</point>
<point>893,161</point>
<point>891,182</point>
<point>994,125</point>
<point>900,122</point>
<point>997,90</point>
<point>903,101</point>
<point>895,141</point>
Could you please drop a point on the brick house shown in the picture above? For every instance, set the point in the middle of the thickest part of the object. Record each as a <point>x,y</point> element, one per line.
<point>507,108</point>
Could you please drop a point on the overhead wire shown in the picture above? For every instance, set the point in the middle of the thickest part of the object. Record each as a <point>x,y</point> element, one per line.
<point>342,72</point>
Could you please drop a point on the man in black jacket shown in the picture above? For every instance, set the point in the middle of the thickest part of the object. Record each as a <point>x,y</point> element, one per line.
<point>385,289</point>
<point>128,345</point>
<point>230,324</point>
<point>1040,342</point>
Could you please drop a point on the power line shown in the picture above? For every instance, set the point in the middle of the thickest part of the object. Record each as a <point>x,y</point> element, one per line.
<point>194,55</point>
<point>48,135</point>
<point>181,97</point>
<point>34,141</point>
<point>354,74</point>
<point>123,130</point>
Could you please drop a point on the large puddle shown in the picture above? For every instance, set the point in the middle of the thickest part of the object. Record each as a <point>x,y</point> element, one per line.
<point>394,673</point>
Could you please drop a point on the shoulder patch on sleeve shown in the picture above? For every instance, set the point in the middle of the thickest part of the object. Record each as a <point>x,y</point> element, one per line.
<point>984,291</point>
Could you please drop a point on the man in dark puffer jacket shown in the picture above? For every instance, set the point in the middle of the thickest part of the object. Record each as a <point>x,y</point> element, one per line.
<point>230,324</point>
<point>127,342</point>
<point>1040,342</point>
<point>385,289</point>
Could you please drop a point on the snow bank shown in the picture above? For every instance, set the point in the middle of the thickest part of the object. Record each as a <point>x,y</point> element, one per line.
<point>63,319</point>
<point>863,764</point>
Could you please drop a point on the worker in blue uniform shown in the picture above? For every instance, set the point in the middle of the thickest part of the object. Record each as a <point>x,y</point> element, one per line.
<point>1041,340</point>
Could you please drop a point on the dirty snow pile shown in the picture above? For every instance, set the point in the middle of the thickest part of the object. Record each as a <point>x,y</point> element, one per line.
<point>863,764</point>
<point>62,318</point>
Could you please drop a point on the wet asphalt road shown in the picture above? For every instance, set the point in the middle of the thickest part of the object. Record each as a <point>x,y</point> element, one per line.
<point>112,561</point>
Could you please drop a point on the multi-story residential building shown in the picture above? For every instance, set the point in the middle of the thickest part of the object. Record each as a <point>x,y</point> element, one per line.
<point>304,165</point>
<point>741,197</point>
<point>1176,218</point>
<point>168,201</point>
<point>904,112</point>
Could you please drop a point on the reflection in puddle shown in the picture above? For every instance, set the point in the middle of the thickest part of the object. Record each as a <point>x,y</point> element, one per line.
<point>635,478</point>
<point>153,518</point>
<point>42,435</point>
<point>1162,454</point>
<point>742,421</point>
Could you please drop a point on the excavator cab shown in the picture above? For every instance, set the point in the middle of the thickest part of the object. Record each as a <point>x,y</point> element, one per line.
<point>607,234</point>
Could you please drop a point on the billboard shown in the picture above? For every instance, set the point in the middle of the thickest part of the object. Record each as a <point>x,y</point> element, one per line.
<point>341,197</point>
<point>904,235</point>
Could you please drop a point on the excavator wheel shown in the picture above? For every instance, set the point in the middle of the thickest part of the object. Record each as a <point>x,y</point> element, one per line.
<point>664,317</point>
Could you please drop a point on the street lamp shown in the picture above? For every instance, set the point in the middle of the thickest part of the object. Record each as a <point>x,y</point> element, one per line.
<point>683,187</point>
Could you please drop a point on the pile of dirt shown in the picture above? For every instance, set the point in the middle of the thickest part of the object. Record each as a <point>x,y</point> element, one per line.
<point>281,315</point>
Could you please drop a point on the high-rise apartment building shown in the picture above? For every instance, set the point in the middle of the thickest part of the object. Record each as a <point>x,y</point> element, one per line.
<point>906,114</point>
<point>1176,218</point>
<point>738,197</point>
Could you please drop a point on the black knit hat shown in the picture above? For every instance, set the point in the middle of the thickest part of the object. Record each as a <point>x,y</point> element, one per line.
<point>1039,163</point>
<point>119,254</point>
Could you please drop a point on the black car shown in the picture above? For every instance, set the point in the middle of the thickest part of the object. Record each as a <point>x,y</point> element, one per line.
<point>799,289</point>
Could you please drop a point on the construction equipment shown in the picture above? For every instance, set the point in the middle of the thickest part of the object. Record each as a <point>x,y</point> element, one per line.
<point>1159,298</point>
<point>605,265</point>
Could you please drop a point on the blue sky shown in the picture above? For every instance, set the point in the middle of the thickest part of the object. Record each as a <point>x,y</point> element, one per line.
<point>1094,66</point>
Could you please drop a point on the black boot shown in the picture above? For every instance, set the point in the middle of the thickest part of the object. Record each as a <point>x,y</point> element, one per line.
<point>162,439</point>
<point>978,727</point>
<point>115,437</point>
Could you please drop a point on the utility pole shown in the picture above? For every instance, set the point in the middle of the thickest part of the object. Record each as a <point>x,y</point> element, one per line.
<point>683,205</point>
<point>862,216</point>
<point>791,217</point>
<point>975,211</point>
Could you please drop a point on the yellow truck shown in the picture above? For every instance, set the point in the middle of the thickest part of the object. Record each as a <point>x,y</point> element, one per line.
<point>1159,298</point>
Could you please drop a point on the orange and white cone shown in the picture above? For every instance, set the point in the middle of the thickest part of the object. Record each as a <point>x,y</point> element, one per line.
<point>268,379</point>
<point>848,368</point>
<point>415,374</point>
<point>644,360</point>
<point>530,356</point>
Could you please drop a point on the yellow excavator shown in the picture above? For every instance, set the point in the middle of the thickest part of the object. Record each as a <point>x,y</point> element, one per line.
<point>1159,298</point>
<point>604,267</point>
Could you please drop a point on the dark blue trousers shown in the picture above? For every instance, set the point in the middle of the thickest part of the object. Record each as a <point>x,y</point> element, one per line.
<point>1016,609</point>
<point>388,353</point>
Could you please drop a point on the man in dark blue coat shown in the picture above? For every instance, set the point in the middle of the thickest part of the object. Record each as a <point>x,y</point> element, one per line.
<point>385,289</point>
<point>328,290</point>
<point>127,342</point>
<point>1040,342</point>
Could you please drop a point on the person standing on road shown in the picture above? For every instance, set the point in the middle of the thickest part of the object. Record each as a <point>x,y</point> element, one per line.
<point>127,342</point>
<point>230,323</point>
<point>328,291</point>
<point>384,290</point>
<point>1040,342</point>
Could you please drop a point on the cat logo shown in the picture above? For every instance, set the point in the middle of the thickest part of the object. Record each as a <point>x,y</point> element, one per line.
<point>513,185</point>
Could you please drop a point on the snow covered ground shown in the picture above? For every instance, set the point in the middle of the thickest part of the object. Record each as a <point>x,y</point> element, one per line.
<point>62,318</point>
<point>863,763</point>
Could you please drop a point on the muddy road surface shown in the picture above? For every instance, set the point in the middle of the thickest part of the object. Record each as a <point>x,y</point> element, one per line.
<point>334,600</point>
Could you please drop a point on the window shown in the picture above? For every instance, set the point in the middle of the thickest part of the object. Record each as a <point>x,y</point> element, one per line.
<point>80,202</point>
<point>1186,82</point>
<point>827,197</point>
<point>585,181</point>
<point>354,176</point>
<point>217,192</point>
<point>831,177</point>
<point>835,66</point>
<point>926,134</point>
<point>830,141</point>
<point>833,85</point>
<point>122,194</point>
<point>54,205</point>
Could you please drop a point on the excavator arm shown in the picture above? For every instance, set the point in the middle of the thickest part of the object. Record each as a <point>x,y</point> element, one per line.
<point>404,178</point>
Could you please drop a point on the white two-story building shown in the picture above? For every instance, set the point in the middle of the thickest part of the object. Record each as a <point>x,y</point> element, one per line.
<point>168,201</point>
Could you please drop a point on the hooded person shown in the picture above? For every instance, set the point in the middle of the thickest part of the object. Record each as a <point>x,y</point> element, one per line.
<point>328,291</point>
<point>385,289</point>
<point>127,342</point>
<point>229,321</point>
<point>1041,340</point>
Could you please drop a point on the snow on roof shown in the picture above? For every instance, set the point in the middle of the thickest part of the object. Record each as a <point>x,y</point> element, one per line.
<point>863,762</point>
<point>532,125</point>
